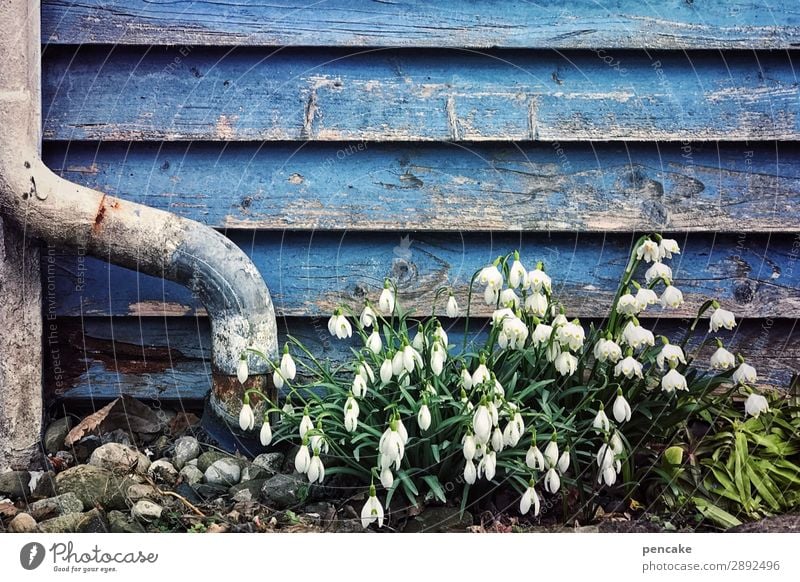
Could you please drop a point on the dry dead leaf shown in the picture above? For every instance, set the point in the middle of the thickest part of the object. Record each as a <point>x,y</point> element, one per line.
<point>125,412</point>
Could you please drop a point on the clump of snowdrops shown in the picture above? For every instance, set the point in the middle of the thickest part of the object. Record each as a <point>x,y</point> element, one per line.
<point>539,402</point>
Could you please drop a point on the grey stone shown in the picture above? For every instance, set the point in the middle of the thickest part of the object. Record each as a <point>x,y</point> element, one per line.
<point>776,524</point>
<point>118,522</point>
<point>63,504</point>
<point>139,491</point>
<point>269,462</point>
<point>223,472</point>
<point>253,487</point>
<point>205,460</point>
<point>46,486</point>
<point>118,436</point>
<point>95,486</point>
<point>208,492</point>
<point>439,519</point>
<point>636,526</point>
<point>186,449</point>
<point>115,457</point>
<point>22,523</point>
<point>146,510</point>
<point>282,491</point>
<point>191,474</point>
<point>90,522</point>
<point>55,434</point>
<point>162,470</point>
<point>14,484</point>
<point>254,473</point>
<point>84,448</point>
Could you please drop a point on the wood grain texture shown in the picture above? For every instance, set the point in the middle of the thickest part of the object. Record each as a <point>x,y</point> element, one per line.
<point>442,187</point>
<point>311,274</point>
<point>674,24</point>
<point>162,94</point>
<point>165,360</point>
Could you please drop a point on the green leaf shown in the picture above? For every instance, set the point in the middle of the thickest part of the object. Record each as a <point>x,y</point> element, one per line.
<point>715,514</point>
<point>435,487</point>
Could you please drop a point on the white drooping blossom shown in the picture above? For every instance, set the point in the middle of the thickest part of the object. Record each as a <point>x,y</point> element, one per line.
<point>600,422</point>
<point>265,434</point>
<point>607,476</point>
<point>559,319</point>
<point>387,478</point>
<point>673,380</point>
<point>670,354</point>
<point>513,334</point>
<point>482,423</point>
<point>529,498</point>
<point>497,441</point>
<point>468,448</point>
<point>658,271</point>
<point>386,301</point>
<point>411,359</point>
<point>466,379</point>
<point>514,430</point>
<point>305,425</point>
<point>534,458</point>
<point>391,447</point>
<point>500,315</point>
<point>359,387</point>
<point>368,316</point>
<point>668,247</point>
<point>288,367</point>
<point>637,336</point>
<point>629,368</point>
<point>288,409</point>
<point>316,470</point>
<point>424,417</point>
<point>438,358</point>
<point>648,251</point>
<point>509,299</point>
<point>671,297</point>
<point>563,462</point>
<point>538,280</point>
<point>397,363</point>
<point>745,374</point>
<point>420,341</point>
<point>386,371</point>
<point>351,412</point>
<point>571,335</point>
<point>452,306</point>
<point>491,277</point>
<point>605,456</point>
<point>277,379</point>
<point>621,408</point>
<point>552,482</point>
<point>536,304</point>
<point>440,336</point>
<point>721,318</point>
<point>241,370</point>
<point>551,453</point>
<point>302,460</point>
<point>318,444</point>
<point>339,326</point>
<point>488,466</point>
<point>755,405</point>
<point>616,443</point>
<point>606,350</point>
<point>516,275</point>
<point>542,334</point>
<point>722,359</point>
<point>247,419</point>
<point>566,364</point>
<point>645,297</point>
<point>401,430</point>
<point>628,305</point>
<point>470,472</point>
<point>480,375</point>
<point>372,510</point>
<point>374,342</point>
<point>491,295</point>
<point>365,371</point>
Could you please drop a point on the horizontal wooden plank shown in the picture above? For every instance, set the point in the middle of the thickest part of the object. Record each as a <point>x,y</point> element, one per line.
<point>442,187</point>
<point>162,94</point>
<point>165,359</point>
<point>311,274</point>
<point>746,24</point>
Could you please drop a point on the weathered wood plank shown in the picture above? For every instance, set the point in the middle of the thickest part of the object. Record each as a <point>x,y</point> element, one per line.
<point>311,274</point>
<point>136,94</point>
<point>743,24</point>
<point>163,360</point>
<point>360,186</point>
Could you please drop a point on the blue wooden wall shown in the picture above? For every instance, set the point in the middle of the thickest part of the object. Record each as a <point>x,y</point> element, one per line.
<point>339,143</point>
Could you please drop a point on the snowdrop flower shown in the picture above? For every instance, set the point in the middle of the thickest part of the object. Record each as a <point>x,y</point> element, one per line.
<point>374,343</point>
<point>466,379</point>
<point>621,408</point>
<point>247,419</point>
<point>658,271</point>
<point>534,458</point>
<point>493,412</point>
<point>339,326</point>
<point>673,380</point>
<point>566,364</point>
<point>509,299</point>
<point>316,470</point>
<point>616,443</point>
<point>368,316</point>
<point>530,497</point>
<point>628,305</point>
<point>667,247</point>
<point>511,434</point>
<point>552,482</point>
<point>468,447</point>
<point>265,435</point>
<point>500,315</point>
<point>351,412</point>
<point>563,462</point>
<point>359,387</point>
<point>513,334</point>
<point>605,456</point>
<point>600,422</point>
<point>722,318</point>
<point>645,297</point>
<point>288,367</point>
<point>397,363</point>
<point>648,251</point>
<point>277,379</point>
<point>480,375</point>
<point>491,295</point>
<point>499,391</point>
<point>551,453</point>
<point>482,423</point>
<point>542,334</point>
<point>671,297</point>
<point>745,374</point>
<point>401,430</point>
<point>470,472</point>
<point>488,466</point>
<point>606,350</point>
<point>365,371</point>
<point>516,274</point>
<point>241,370</point>
<point>372,510</point>
<point>571,334</point>
<point>386,300</point>
<point>419,341</point>
<point>440,336</point>
<point>302,461</point>
<point>559,319</point>
<point>386,371</point>
<point>452,306</point>
<point>629,368</point>
<point>391,446</point>
<point>497,440</point>
<point>722,359</point>
<point>288,409</point>
<point>411,359</point>
<point>755,405</point>
<point>387,478</point>
<point>438,357</point>
<point>608,475</point>
<point>305,424</point>
<point>538,280</point>
<point>670,354</point>
<point>637,336</point>
<point>491,277</point>
<point>536,304</point>
<point>424,417</point>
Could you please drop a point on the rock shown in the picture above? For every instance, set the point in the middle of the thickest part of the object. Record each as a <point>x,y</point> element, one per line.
<point>253,487</point>
<point>146,510</point>
<point>115,457</point>
<point>139,491</point>
<point>118,522</point>
<point>22,523</point>
<point>45,486</point>
<point>55,434</point>
<point>14,484</point>
<point>186,449</point>
<point>163,471</point>
<point>191,474</point>
<point>209,492</point>
<point>775,524</point>
<point>118,436</point>
<point>205,460</point>
<point>143,464</point>
<point>63,504</point>
<point>281,491</point>
<point>439,519</point>
<point>89,522</point>
<point>187,491</point>
<point>636,526</point>
<point>84,448</point>
<point>223,472</point>
<point>269,462</point>
<point>94,486</point>
<point>193,463</point>
<point>254,473</point>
